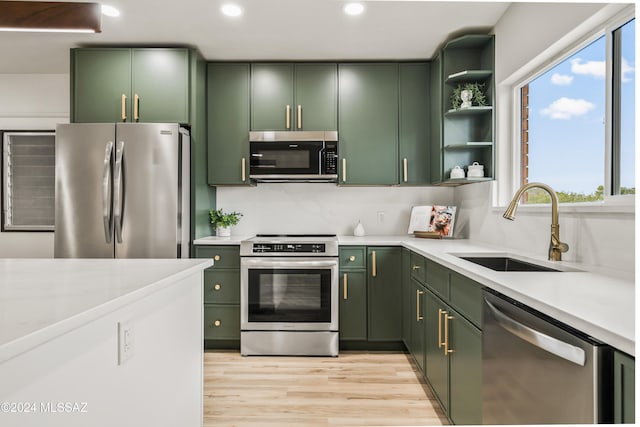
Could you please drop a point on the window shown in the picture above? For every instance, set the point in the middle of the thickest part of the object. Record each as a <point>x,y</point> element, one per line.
<point>564,130</point>
<point>28,180</point>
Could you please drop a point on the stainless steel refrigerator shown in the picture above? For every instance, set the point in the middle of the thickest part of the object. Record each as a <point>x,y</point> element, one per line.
<point>122,190</point>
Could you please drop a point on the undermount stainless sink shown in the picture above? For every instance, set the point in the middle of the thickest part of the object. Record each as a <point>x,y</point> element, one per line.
<point>505,263</point>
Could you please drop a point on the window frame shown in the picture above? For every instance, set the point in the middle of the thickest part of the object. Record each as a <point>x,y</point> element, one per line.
<point>3,189</point>
<point>508,187</point>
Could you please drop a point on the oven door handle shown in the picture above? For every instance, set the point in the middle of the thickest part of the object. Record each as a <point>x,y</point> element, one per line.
<point>288,263</point>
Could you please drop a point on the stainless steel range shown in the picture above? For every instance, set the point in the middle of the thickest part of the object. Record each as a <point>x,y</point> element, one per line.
<point>289,295</point>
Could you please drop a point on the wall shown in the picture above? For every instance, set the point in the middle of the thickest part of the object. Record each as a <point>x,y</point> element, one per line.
<point>325,208</point>
<point>600,237</point>
<point>31,101</point>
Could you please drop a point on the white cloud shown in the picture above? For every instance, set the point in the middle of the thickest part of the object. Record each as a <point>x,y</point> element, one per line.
<point>567,108</point>
<point>596,69</point>
<point>561,79</point>
<point>626,68</point>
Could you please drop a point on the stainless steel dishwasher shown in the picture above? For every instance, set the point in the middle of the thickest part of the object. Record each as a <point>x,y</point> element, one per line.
<point>536,370</point>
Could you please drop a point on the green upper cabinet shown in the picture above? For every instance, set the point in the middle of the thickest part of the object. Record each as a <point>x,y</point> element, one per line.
<point>123,84</point>
<point>435,128</point>
<point>368,123</point>
<point>287,96</point>
<point>414,123</point>
<point>228,123</point>
<point>384,293</point>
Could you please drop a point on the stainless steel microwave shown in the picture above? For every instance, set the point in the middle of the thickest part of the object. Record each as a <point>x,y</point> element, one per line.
<point>293,156</point>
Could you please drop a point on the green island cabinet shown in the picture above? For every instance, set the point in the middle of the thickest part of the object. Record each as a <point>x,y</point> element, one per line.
<point>445,336</point>
<point>624,395</point>
<point>414,125</point>
<point>130,85</point>
<point>370,296</point>
<point>466,135</point>
<point>368,123</point>
<point>294,96</point>
<point>228,87</point>
<point>221,295</point>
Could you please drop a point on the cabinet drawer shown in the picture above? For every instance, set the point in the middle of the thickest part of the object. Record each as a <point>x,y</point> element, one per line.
<point>466,297</point>
<point>353,257</point>
<point>223,256</point>
<point>222,286</point>
<point>221,322</point>
<point>438,279</point>
<point>418,267</point>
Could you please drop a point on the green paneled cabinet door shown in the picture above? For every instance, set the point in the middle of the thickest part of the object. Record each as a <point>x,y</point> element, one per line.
<point>414,123</point>
<point>353,305</point>
<point>121,84</point>
<point>287,96</point>
<point>228,119</point>
<point>407,289</point>
<point>384,293</point>
<point>368,123</point>
<point>418,323</point>
<point>624,392</point>
<point>437,367</point>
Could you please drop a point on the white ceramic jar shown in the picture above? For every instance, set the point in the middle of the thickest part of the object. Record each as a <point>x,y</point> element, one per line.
<point>457,172</point>
<point>476,170</point>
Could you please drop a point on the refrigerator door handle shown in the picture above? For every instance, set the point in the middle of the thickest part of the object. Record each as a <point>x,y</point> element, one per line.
<point>118,194</point>
<point>107,213</point>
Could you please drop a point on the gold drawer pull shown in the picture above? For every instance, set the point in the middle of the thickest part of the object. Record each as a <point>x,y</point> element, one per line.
<point>418,314</point>
<point>352,258</point>
<point>217,323</point>
<point>217,286</point>
<point>216,258</point>
<point>344,283</point>
<point>415,267</point>
<point>124,107</point>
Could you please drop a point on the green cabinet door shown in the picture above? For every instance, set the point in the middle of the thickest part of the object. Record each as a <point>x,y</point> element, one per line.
<point>99,79</point>
<point>272,97</point>
<point>437,366</point>
<point>228,123</point>
<point>316,97</point>
<point>435,129</point>
<point>368,123</point>
<point>624,396</point>
<point>384,293</point>
<point>418,323</point>
<point>414,129</point>
<point>465,371</point>
<point>353,305</point>
<point>407,292</point>
<point>161,85</point>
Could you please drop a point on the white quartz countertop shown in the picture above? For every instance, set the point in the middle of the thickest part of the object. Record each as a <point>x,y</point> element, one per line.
<point>215,240</point>
<point>41,299</point>
<point>595,301</point>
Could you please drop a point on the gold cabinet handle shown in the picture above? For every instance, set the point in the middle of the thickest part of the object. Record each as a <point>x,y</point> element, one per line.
<point>418,315</point>
<point>244,169</point>
<point>299,116</point>
<point>344,286</point>
<point>440,311</point>
<point>415,267</point>
<point>374,269</point>
<point>352,258</point>
<point>404,170</point>
<point>217,323</point>
<point>217,286</point>
<point>447,351</point>
<point>124,107</point>
<point>344,170</point>
<point>288,117</point>
<point>136,107</point>
<point>216,258</point>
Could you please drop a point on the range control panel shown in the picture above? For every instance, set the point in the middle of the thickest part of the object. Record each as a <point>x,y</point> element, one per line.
<point>310,248</point>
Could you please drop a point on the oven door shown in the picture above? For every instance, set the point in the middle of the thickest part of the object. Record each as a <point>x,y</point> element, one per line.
<point>273,160</point>
<point>289,294</point>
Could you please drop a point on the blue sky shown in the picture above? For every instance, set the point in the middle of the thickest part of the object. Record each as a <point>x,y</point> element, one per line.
<point>566,118</point>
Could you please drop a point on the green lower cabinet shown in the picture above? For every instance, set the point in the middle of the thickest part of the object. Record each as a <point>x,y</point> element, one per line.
<point>353,305</point>
<point>384,293</point>
<point>624,396</point>
<point>221,322</point>
<point>437,367</point>
<point>418,323</point>
<point>406,300</point>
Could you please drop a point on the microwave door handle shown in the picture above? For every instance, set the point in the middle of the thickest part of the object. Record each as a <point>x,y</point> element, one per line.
<point>552,345</point>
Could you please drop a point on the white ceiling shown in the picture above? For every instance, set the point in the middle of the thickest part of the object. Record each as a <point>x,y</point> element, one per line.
<point>268,30</point>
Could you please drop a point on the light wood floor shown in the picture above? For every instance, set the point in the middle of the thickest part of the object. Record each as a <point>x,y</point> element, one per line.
<point>354,389</point>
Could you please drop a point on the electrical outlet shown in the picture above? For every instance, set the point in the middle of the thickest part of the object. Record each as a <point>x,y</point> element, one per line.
<point>125,341</point>
<point>380,217</point>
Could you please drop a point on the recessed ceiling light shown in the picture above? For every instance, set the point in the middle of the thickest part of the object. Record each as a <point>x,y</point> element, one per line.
<point>353,8</point>
<point>110,11</point>
<point>230,9</point>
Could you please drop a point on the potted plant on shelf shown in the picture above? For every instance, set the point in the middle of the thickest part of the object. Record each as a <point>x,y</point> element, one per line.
<point>222,222</point>
<point>468,94</point>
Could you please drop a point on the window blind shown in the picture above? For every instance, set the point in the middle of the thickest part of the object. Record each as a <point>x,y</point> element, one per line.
<point>29,180</point>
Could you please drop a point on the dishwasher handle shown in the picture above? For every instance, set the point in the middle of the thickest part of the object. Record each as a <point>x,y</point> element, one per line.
<point>552,345</point>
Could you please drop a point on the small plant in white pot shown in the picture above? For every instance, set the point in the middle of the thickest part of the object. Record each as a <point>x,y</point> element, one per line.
<point>223,222</point>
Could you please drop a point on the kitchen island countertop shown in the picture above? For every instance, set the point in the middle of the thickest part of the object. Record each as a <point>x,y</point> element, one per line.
<point>41,299</point>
